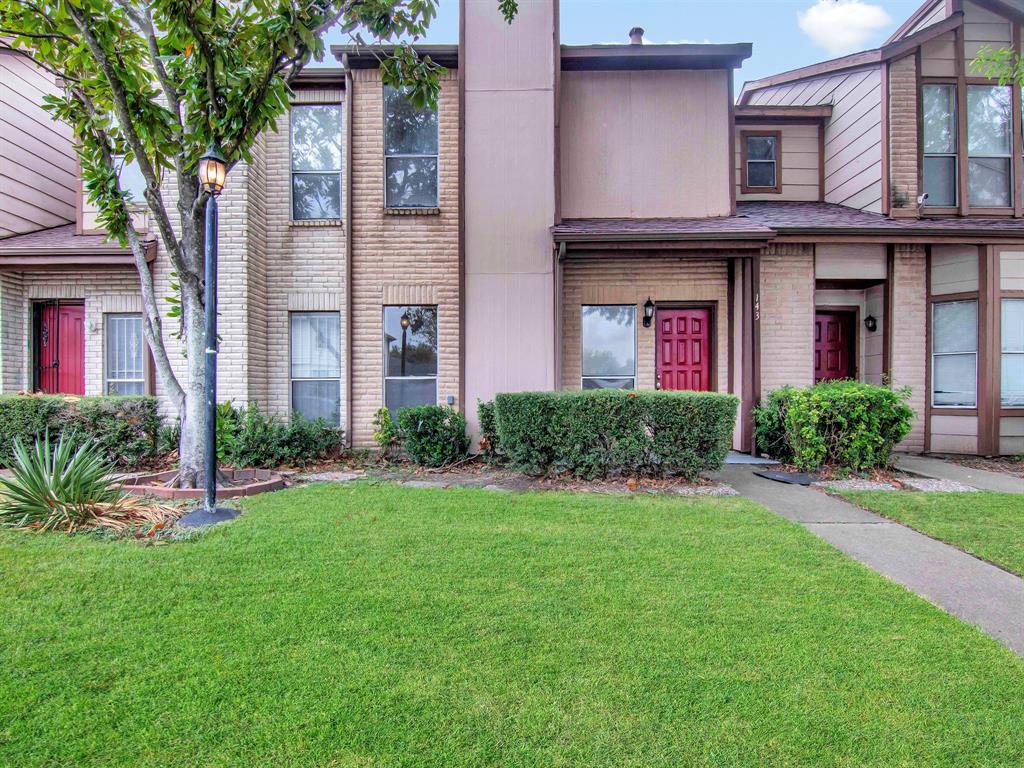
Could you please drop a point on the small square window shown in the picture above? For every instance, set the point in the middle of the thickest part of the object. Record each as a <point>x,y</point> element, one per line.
<point>761,153</point>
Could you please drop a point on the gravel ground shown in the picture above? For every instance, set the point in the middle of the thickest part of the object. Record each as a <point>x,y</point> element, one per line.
<point>856,485</point>
<point>936,486</point>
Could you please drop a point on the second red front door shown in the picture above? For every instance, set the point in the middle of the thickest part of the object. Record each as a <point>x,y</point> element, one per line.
<point>684,348</point>
<point>833,346</point>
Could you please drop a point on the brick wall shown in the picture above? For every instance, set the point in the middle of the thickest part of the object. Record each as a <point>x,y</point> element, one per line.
<point>400,259</point>
<point>631,281</point>
<point>903,170</point>
<point>12,339</point>
<point>909,321</point>
<point>787,316</point>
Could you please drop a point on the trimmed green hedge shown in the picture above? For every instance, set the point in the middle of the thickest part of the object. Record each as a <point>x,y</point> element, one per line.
<point>433,435</point>
<point>612,432</point>
<point>125,428</point>
<point>843,423</point>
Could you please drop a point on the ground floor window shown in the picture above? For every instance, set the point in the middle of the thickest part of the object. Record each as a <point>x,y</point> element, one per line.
<point>410,356</point>
<point>955,354</point>
<point>1013,353</point>
<point>124,355</point>
<point>608,346</point>
<point>316,365</point>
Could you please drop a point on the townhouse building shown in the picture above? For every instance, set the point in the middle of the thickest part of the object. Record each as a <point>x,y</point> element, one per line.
<point>575,217</point>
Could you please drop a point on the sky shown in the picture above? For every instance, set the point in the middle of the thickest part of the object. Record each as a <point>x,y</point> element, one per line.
<point>786,33</point>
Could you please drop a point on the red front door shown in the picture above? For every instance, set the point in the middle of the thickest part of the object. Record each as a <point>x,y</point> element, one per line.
<point>61,343</point>
<point>833,346</point>
<point>684,349</point>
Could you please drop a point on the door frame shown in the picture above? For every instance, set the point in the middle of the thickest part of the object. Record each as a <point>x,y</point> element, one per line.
<point>712,307</point>
<point>841,309</point>
<point>37,311</point>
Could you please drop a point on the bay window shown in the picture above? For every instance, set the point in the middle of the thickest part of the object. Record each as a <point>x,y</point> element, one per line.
<point>1012,385</point>
<point>316,365</point>
<point>410,356</point>
<point>608,337</point>
<point>955,354</point>
<point>940,144</point>
<point>989,146</point>
<point>124,352</point>
<point>410,153</point>
<point>316,161</point>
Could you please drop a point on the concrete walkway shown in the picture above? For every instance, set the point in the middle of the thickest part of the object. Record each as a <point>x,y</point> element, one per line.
<point>977,592</point>
<point>939,469</point>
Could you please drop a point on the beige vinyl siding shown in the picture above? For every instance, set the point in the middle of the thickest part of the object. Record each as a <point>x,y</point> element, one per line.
<point>954,434</point>
<point>983,28</point>
<point>38,177</point>
<point>954,269</point>
<point>938,56</point>
<point>853,137</point>
<point>1011,435</point>
<point>799,163</point>
<point>1011,270</point>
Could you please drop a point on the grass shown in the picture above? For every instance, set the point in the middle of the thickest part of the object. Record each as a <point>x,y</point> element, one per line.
<point>988,525</point>
<point>364,625</point>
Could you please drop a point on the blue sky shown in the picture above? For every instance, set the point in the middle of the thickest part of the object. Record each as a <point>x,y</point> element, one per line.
<point>785,33</point>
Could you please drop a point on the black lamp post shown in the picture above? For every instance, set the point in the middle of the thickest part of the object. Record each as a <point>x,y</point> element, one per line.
<point>212,175</point>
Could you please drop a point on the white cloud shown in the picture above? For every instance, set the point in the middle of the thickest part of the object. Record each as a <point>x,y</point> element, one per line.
<point>842,26</point>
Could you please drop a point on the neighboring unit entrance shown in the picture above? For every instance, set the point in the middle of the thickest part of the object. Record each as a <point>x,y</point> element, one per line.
<point>684,349</point>
<point>833,346</point>
<point>60,348</point>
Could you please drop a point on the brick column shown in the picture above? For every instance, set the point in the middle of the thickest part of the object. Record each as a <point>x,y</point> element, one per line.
<point>909,317</point>
<point>903,169</point>
<point>787,316</point>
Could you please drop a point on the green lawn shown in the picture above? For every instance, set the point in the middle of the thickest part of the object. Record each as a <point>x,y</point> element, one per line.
<point>989,525</point>
<point>367,625</point>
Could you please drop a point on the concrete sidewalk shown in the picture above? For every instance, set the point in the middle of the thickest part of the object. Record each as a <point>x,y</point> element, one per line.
<point>940,469</point>
<point>977,592</point>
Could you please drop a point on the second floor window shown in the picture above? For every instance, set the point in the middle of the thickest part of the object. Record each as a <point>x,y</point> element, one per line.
<point>130,179</point>
<point>940,146</point>
<point>989,142</point>
<point>761,162</point>
<point>316,161</point>
<point>410,153</point>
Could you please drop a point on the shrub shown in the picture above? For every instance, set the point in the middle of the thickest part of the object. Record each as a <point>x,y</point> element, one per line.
<point>252,438</point>
<point>489,447</point>
<point>615,432</point>
<point>386,434</point>
<point>434,435</point>
<point>844,423</point>
<point>124,428</point>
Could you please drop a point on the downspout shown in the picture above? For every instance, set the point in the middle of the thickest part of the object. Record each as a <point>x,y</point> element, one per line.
<point>348,250</point>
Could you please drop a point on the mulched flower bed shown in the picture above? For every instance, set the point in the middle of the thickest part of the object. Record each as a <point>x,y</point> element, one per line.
<point>1008,465</point>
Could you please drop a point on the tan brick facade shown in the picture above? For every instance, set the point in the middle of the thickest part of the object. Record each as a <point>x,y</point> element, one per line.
<point>787,316</point>
<point>410,259</point>
<point>909,323</point>
<point>903,170</point>
<point>632,281</point>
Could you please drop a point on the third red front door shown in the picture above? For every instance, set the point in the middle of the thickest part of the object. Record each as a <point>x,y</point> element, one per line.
<point>833,346</point>
<point>684,348</point>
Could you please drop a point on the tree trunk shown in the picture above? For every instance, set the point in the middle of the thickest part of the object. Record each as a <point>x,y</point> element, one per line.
<point>192,449</point>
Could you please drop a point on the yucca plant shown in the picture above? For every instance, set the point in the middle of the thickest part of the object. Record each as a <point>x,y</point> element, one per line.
<point>58,487</point>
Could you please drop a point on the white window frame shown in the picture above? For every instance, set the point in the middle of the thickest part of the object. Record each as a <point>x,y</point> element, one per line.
<point>933,354</point>
<point>1008,155</point>
<point>583,378</point>
<point>387,156</point>
<point>1003,354</point>
<point>955,154</point>
<point>292,173</point>
<point>384,351</point>
<point>292,378</point>
<point>107,380</point>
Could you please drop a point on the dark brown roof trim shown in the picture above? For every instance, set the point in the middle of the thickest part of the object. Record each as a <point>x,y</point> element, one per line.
<point>1003,8</point>
<point>915,18</point>
<point>368,56</point>
<point>320,77</point>
<point>109,255</point>
<point>634,57</point>
<point>820,113</point>
<point>855,60</point>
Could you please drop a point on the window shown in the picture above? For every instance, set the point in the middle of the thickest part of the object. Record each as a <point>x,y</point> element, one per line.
<point>761,152</point>
<point>316,161</point>
<point>316,365</point>
<point>410,153</point>
<point>609,347</point>
<point>1013,353</point>
<point>940,146</point>
<point>130,178</point>
<point>124,355</point>
<point>989,142</point>
<point>410,357</point>
<point>955,354</point>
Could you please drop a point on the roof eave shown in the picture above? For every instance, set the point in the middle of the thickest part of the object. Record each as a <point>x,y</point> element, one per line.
<point>652,57</point>
<point>367,56</point>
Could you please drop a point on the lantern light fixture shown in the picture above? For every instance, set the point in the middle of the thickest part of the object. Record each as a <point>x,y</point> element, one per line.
<point>404,321</point>
<point>870,323</point>
<point>213,170</point>
<point>648,312</point>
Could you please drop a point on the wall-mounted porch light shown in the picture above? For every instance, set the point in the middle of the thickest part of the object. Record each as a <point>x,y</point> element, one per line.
<point>648,312</point>
<point>871,323</point>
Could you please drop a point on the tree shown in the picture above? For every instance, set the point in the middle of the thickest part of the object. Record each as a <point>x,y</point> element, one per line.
<point>156,82</point>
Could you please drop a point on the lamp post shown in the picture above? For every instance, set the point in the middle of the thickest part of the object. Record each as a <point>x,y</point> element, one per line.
<point>212,174</point>
<point>404,322</point>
